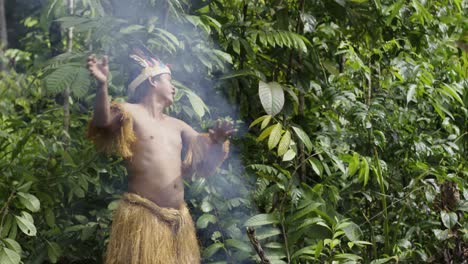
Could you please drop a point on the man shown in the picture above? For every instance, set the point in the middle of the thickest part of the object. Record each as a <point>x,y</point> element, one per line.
<point>152,223</point>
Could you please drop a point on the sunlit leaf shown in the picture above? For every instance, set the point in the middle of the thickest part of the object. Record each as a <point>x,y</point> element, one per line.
<point>26,223</point>
<point>271,97</point>
<point>29,201</point>
<point>262,219</point>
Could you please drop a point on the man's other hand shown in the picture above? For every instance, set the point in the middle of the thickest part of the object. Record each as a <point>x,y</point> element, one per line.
<point>99,69</point>
<point>221,131</point>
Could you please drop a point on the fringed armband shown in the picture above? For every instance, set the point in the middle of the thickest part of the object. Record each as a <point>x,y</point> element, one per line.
<point>118,140</point>
<point>203,157</point>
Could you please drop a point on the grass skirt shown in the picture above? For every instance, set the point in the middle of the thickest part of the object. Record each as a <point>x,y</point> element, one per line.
<point>144,233</point>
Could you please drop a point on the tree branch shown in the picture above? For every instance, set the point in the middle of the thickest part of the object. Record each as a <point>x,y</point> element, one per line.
<point>258,248</point>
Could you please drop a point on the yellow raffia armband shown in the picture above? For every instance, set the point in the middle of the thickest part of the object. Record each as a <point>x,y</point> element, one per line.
<point>203,157</point>
<point>114,140</point>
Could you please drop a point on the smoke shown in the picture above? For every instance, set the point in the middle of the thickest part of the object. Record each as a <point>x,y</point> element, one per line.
<point>189,67</point>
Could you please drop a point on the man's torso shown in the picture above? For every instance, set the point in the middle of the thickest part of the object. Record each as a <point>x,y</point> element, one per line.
<point>155,169</point>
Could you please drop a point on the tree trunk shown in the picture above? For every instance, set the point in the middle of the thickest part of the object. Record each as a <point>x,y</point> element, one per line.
<point>66,93</point>
<point>3,32</point>
<point>299,30</point>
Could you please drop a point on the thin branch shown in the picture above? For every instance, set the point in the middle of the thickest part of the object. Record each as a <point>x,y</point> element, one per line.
<point>258,248</point>
<point>4,210</point>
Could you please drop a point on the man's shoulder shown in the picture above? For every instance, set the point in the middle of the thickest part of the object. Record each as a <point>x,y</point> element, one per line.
<point>176,121</point>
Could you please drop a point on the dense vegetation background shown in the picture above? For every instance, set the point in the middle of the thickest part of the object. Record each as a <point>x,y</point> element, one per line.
<point>352,116</point>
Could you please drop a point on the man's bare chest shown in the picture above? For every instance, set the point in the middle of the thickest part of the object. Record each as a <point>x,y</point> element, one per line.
<point>160,133</point>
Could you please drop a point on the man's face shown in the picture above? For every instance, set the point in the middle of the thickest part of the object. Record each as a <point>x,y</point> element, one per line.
<point>164,88</point>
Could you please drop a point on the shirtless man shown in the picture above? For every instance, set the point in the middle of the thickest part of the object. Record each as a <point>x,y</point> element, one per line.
<point>152,223</point>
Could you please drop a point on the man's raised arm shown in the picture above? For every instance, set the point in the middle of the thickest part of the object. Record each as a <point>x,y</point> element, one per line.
<point>111,128</point>
<point>100,71</point>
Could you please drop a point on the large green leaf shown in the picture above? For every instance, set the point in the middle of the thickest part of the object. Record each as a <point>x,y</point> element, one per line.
<point>212,249</point>
<point>8,256</point>
<point>197,103</point>
<point>206,219</point>
<point>271,96</point>
<point>275,136</point>
<point>53,251</point>
<point>262,219</point>
<point>303,137</point>
<point>26,223</point>
<point>284,143</point>
<point>12,244</point>
<point>449,219</point>
<point>29,201</point>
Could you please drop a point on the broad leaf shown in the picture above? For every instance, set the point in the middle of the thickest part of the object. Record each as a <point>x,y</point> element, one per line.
<point>275,136</point>
<point>284,143</point>
<point>303,137</point>
<point>271,97</point>
<point>26,223</point>
<point>8,256</point>
<point>29,201</point>
<point>262,219</point>
<point>205,219</point>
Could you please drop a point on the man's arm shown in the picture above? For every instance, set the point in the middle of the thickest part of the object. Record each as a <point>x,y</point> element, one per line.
<point>207,151</point>
<point>103,116</point>
<point>111,128</point>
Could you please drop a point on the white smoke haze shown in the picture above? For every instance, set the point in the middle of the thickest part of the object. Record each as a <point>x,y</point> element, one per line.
<point>232,185</point>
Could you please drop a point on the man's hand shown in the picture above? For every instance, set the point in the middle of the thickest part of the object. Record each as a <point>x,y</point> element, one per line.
<point>98,69</point>
<point>221,131</point>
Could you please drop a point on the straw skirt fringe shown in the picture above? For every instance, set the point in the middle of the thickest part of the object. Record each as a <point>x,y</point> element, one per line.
<point>144,233</point>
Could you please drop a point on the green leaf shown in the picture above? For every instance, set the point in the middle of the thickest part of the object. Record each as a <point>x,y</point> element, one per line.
<point>236,46</point>
<point>212,249</point>
<point>306,211</point>
<point>223,55</point>
<point>318,249</point>
<point>268,232</point>
<point>289,155</point>
<point>265,133</point>
<point>303,137</point>
<point>271,96</point>
<point>383,260</point>
<point>410,94</point>
<point>316,166</point>
<point>266,121</point>
<point>284,143</point>
<point>449,219</point>
<point>206,219</point>
<point>275,136</point>
<point>241,245</point>
<point>452,92</point>
<point>441,234</point>
<point>347,256</point>
<point>29,201</point>
<point>353,164</point>
<point>169,35</point>
<point>8,256</point>
<point>12,244</point>
<point>197,103</point>
<point>7,225</point>
<point>364,171</point>
<point>53,251</point>
<point>262,219</point>
<point>26,223</point>
<point>206,206</point>
<point>132,29</point>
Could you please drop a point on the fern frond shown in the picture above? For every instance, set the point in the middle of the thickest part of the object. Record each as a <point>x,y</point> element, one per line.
<point>60,78</point>
<point>280,38</point>
<point>81,84</point>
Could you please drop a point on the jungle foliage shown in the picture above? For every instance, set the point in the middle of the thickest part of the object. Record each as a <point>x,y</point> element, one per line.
<point>352,116</point>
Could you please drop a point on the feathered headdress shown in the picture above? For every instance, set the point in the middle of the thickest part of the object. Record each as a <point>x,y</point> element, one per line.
<point>151,67</point>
